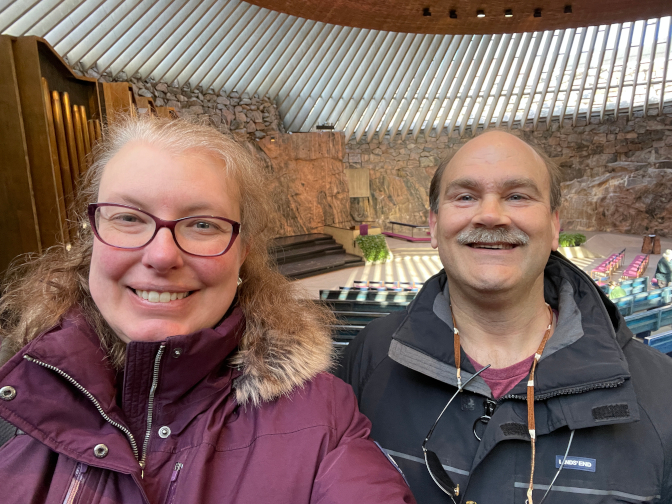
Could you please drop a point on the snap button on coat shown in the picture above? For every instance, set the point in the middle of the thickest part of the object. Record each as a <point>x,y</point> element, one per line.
<point>100,451</point>
<point>7,393</point>
<point>164,432</point>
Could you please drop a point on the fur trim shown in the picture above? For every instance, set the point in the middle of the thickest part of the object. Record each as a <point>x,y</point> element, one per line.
<point>277,364</point>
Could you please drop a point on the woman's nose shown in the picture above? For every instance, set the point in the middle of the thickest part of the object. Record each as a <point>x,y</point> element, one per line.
<point>162,253</point>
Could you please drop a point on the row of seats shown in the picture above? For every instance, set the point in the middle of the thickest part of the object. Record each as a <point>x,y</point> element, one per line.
<point>637,267</point>
<point>607,267</point>
<point>634,303</point>
<point>354,309</point>
<point>634,286</point>
<point>661,342</point>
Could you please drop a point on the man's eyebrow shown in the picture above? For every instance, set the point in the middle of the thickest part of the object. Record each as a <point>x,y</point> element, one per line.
<point>463,183</point>
<point>522,182</point>
<point>469,183</point>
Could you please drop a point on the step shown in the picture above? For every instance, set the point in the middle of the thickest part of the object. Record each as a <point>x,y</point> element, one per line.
<point>319,265</point>
<point>299,254</point>
<point>298,241</point>
<point>357,318</point>
<point>341,332</point>
<point>364,306</point>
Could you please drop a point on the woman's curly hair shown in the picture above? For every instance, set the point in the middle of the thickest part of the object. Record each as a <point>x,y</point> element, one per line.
<point>40,289</point>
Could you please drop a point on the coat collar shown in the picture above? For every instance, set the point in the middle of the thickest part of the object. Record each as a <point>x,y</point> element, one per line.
<point>68,367</point>
<point>584,354</point>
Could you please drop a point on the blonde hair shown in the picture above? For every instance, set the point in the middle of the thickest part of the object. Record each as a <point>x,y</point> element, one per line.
<point>40,290</point>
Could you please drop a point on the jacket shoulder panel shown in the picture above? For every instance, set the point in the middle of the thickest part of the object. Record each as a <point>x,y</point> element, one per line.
<point>369,348</point>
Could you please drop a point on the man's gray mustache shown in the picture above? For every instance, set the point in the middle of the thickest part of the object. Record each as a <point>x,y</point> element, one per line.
<point>498,235</point>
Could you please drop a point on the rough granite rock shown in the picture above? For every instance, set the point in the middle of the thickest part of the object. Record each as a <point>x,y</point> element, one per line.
<point>634,200</point>
<point>307,180</point>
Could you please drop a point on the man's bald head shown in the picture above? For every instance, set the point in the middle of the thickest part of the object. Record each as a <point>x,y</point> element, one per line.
<point>506,140</point>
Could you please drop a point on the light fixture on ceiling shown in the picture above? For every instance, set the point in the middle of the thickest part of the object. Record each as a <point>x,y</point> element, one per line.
<point>426,12</point>
<point>508,13</point>
<point>272,139</point>
<point>568,9</point>
<point>537,12</point>
<point>480,13</point>
<point>453,14</point>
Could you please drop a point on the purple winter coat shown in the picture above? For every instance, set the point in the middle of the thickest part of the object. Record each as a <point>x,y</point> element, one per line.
<point>81,446</point>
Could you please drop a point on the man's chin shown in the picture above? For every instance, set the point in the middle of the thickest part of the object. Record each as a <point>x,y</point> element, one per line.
<point>490,283</point>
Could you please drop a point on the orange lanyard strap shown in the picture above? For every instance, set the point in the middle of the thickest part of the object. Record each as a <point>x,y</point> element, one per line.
<point>457,353</point>
<point>530,402</point>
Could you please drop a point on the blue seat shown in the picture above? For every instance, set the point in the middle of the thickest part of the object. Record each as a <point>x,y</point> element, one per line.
<point>662,342</point>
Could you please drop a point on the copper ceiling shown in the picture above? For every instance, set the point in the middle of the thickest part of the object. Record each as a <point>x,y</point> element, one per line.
<point>434,16</point>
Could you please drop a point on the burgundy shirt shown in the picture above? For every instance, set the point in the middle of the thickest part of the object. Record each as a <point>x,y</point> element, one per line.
<point>503,380</point>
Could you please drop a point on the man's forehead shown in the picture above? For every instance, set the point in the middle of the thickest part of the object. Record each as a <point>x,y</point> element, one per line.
<point>496,157</point>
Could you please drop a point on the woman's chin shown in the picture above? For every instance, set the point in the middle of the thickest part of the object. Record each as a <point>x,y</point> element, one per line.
<point>152,330</point>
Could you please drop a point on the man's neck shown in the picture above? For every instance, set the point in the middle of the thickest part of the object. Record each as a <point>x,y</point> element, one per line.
<point>500,329</point>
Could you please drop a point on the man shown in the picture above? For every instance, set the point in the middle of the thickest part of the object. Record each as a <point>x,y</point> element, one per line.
<point>595,404</point>
<point>664,269</point>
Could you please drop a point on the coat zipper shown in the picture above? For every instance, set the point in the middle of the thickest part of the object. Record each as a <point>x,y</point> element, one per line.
<point>170,496</point>
<point>95,402</point>
<point>150,407</point>
<point>567,391</point>
<point>75,483</point>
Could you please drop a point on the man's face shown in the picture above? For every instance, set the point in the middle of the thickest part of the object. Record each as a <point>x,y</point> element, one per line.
<point>494,228</point>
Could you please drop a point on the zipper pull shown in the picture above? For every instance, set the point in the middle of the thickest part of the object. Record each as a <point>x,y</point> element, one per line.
<point>178,466</point>
<point>142,470</point>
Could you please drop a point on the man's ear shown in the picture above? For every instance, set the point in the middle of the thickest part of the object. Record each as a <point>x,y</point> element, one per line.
<point>555,226</point>
<point>433,228</point>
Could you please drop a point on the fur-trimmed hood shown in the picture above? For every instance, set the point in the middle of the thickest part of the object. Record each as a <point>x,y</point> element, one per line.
<point>278,363</point>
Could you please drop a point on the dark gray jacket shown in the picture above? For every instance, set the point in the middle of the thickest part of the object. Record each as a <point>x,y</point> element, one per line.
<point>593,378</point>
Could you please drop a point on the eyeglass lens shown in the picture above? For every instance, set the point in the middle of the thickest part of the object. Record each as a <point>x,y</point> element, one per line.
<point>127,228</point>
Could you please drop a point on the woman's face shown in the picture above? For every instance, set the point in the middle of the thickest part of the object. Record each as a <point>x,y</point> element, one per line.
<point>169,187</point>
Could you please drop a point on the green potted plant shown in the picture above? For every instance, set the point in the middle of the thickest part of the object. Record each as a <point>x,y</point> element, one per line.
<point>374,248</point>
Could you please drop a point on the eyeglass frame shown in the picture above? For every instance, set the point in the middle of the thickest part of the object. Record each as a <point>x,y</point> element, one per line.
<point>161,223</point>
<point>454,489</point>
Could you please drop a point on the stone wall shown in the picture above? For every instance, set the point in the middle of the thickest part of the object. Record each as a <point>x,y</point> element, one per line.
<point>245,116</point>
<point>617,173</point>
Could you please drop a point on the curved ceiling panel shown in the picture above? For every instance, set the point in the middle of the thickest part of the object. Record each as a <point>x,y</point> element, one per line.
<point>465,17</point>
<point>365,82</point>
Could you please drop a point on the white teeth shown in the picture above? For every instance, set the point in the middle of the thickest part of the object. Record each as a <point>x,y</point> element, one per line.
<point>160,297</point>
<point>495,246</point>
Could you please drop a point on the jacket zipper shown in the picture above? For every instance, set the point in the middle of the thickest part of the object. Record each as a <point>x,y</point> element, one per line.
<point>170,496</point>
<point>150,407</point>
<point>568,391</point>
<point>75,483</point>
<point>95,402</point>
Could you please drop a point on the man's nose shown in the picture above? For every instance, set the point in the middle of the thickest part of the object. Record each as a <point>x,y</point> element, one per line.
<point>492,212</point>
<point>162,253</point>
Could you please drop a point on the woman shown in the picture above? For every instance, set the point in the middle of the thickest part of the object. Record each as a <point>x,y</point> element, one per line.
<point>161,360</point>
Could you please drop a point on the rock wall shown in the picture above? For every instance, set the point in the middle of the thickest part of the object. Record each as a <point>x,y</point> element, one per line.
<point>617,173</point>
<point>247,117</point>
<point>308,182</point>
